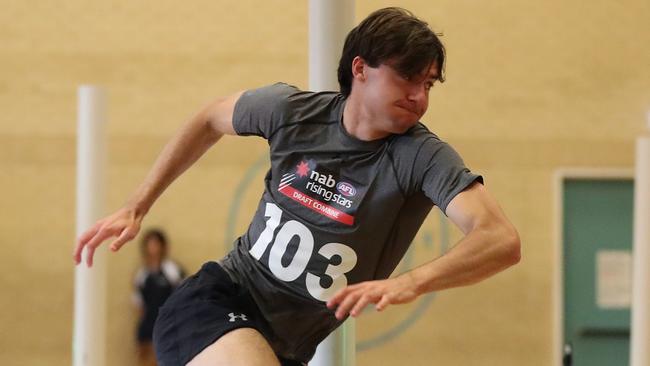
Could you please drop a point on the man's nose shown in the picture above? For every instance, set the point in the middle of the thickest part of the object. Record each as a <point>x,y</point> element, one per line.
<point>418,94</point>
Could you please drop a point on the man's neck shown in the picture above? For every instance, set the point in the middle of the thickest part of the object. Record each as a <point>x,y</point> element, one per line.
<point>358,121</point>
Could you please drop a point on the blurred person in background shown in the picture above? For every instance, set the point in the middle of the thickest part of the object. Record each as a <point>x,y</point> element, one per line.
<point>154,282</point>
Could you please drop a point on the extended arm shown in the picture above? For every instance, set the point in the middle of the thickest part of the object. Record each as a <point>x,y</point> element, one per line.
<point>192,140</point>
<point>490,245</point>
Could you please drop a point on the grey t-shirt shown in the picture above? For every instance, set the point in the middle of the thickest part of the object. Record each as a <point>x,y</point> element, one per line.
<point>335,210</point>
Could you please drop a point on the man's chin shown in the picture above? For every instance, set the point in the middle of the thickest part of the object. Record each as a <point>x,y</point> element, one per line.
<point>403,126</point>
<point>403,122</point>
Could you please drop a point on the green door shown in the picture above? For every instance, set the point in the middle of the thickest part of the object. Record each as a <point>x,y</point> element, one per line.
<point>597,238</point>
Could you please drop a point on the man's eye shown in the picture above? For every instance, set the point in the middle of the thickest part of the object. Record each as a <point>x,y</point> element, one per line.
<point>429,85</point>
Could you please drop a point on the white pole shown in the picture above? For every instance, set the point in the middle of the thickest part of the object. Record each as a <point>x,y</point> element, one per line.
<point>329,23</point>
<point>640,334</point>
<point>88,340</point>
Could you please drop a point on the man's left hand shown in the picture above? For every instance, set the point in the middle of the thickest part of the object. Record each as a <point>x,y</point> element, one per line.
<point>352,299</point>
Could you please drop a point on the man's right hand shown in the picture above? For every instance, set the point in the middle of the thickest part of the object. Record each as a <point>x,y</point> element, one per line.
<point>123,224</point>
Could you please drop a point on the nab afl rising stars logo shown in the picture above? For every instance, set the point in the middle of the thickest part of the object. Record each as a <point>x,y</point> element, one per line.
<point>431,241</point>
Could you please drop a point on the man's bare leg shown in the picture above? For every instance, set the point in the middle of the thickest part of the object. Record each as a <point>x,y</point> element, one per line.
<point>240,347</point>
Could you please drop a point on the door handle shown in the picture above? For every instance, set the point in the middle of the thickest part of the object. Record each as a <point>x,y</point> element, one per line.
<point>604,332</point>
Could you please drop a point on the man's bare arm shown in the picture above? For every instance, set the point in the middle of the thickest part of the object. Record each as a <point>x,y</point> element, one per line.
<point>193,139</point>
<point>490,245</point>
<point>185,148</point>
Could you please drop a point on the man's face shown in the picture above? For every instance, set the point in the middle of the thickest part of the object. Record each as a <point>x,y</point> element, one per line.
<point>397,102</point>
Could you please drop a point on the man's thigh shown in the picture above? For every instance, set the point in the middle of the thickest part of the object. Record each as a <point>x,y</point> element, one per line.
<point>242,346</point>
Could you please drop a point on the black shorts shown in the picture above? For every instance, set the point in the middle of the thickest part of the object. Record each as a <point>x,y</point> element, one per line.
<point>203,308</point>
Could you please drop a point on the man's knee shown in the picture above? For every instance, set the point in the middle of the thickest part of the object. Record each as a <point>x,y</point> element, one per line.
<point>242,346</point>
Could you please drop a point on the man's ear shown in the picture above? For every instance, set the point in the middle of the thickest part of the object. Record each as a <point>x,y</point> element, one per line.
<point>359,69</point>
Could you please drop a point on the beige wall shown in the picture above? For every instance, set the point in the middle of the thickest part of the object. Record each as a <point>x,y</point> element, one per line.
<point>532,86</point>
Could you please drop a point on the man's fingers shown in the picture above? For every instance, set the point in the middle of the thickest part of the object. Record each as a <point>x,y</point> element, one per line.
<point>346,304</point>
<point>102,235</point>
<point>362,303</point>
<point>90,232</point>
<point>90,252</point>
<point>76,255</point>
<point>383,302</point>
<point>331,303</point>
<point>122,225</point>
<point>338,297</point>
<point>82,240</point>
<point>126,235</point>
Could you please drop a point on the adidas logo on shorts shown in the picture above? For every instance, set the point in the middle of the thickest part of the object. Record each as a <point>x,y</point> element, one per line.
<point>234,317</point>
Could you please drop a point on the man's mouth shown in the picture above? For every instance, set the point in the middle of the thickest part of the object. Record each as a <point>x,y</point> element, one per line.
<point>408,108</point>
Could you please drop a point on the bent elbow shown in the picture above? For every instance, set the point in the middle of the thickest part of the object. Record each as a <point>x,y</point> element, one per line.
<point>512,251</point>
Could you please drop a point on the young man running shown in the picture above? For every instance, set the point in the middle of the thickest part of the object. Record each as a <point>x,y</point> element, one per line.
<point>353,176</point>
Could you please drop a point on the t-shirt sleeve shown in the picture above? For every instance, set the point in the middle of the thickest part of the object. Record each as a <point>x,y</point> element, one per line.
<point>443,173</point>
<point>261,111</point>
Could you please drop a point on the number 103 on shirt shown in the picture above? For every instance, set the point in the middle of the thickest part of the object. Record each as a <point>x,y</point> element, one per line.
<point>303,254</point>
